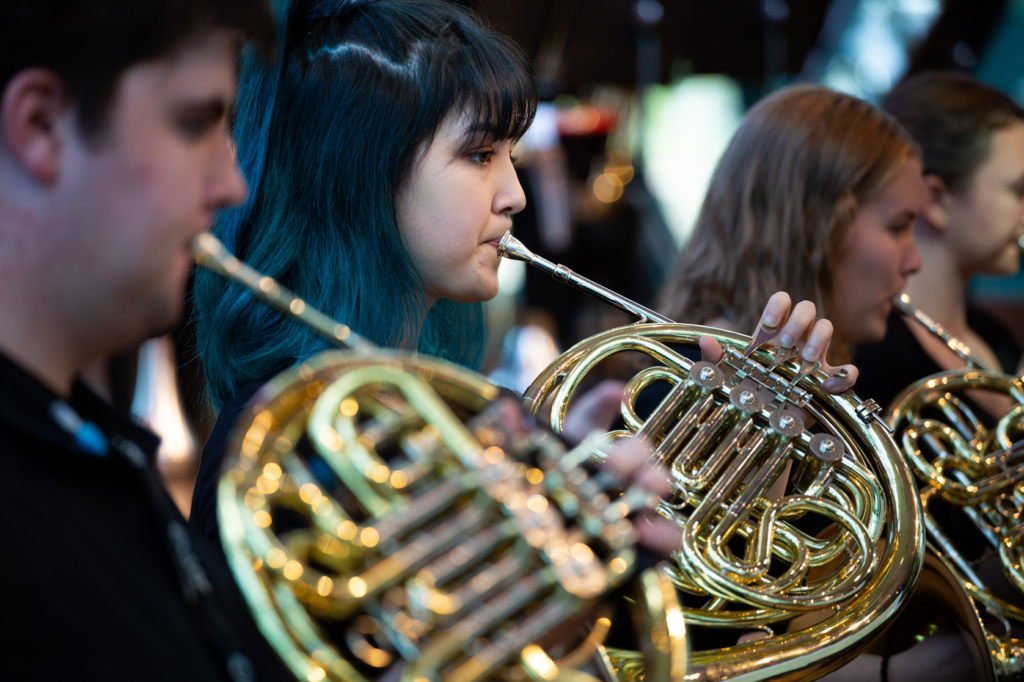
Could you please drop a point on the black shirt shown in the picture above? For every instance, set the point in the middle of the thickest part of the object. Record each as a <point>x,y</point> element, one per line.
<point>888,367</point>
<point>203,516</point>
<point>90,590</point>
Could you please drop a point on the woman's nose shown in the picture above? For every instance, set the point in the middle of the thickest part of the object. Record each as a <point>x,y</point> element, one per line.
<point>510,198</point>
<point>912,259</point>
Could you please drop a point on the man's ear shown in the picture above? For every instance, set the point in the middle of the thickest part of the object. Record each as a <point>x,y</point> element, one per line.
<point>32,105</point>
<point>937,201</point>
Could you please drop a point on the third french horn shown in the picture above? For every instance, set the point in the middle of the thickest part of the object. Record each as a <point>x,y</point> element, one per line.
<point>749,560</point>
<point>971,474</point>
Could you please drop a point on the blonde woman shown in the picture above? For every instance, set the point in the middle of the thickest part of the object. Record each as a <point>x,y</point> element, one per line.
<point>972,140</point>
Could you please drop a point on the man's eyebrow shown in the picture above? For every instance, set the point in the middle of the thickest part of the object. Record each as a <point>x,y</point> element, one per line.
<point>214,108</point>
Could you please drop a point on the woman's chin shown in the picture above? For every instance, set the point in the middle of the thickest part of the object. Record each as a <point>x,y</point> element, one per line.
<point>480,294</point>
<point>489,294</point>
<point>488,289</point>
<point>874,332</point>
<point>869,331</point>
<point>1008,263</point>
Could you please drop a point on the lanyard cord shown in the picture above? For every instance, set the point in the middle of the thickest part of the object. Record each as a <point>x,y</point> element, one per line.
<point>216,629</point>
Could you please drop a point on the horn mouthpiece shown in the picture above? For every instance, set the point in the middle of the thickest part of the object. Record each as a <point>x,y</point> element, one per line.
<point>513,249</point>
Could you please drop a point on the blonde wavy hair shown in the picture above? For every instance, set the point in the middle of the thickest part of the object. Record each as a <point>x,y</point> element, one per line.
<point>781,205</point>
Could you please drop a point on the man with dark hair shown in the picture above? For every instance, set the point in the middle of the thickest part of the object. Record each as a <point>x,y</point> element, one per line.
<point>114,154</point>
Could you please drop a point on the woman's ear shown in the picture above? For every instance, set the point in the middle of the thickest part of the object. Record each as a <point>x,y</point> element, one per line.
<point>32,105</point>
<point>937,199</point>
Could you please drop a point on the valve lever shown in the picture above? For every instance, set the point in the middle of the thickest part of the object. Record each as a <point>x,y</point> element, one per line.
<point>783,355</point>
<point>765,334</point>
<point>806,367</point>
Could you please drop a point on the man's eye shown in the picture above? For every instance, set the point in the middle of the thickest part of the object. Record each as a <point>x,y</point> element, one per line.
<point>193,127</point>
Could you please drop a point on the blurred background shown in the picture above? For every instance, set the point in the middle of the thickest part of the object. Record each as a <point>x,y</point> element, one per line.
<point>639,99</point>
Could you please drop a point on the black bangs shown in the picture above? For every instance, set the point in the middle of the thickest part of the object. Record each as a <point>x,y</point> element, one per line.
<point>416,62</point>
<point>489,78</point>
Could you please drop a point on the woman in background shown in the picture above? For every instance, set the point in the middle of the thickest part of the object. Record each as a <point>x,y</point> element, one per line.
<point>972,142</point>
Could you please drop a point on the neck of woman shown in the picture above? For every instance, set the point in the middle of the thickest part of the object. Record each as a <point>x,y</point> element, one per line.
<point>939,288</point>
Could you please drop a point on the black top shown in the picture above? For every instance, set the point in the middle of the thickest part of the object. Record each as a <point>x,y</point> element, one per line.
<point>203,516</point>
<point>90,590</point>
<point>888,367</point>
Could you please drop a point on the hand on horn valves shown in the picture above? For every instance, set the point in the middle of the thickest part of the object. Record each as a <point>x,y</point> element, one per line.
<point>628,460</point>
<point>800,328</point>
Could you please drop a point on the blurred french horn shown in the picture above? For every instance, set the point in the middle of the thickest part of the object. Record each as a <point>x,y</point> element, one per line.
<point>972,476</point>
<point>382,525</point>
<point>750,560</point>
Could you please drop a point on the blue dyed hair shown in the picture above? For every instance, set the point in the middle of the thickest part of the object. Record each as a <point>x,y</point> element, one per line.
<point>326,138</point>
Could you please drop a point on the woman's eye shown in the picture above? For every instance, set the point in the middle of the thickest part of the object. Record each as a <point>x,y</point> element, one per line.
<point>482,157</point>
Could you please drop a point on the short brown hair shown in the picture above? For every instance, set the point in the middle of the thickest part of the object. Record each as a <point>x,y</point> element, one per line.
<point>952,117</point>
<point>91,43</point>
<point>781,205</point>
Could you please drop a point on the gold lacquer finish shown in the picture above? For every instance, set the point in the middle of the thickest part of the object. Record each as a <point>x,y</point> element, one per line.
<point>382,525</point>
<point>819,568</point>
<point>979,470</point>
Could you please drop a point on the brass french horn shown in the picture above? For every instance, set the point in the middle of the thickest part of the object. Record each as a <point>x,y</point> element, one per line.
<point>382,525</point>
<point>976,472</point>
<point>728,432</point>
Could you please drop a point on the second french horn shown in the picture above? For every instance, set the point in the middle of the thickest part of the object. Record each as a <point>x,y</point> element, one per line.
<point>753,560</point>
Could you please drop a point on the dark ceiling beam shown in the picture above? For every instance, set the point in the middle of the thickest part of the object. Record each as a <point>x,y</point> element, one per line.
<point>963,24</point>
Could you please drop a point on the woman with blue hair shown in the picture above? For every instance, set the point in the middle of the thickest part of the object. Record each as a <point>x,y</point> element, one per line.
<point>378,155</point>
<point>329,140</point>
<point>378,152</point>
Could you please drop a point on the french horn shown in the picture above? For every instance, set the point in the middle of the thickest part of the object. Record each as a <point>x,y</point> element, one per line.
<point>972,474</point>
<point>381,524</point>
<point>751,561</point>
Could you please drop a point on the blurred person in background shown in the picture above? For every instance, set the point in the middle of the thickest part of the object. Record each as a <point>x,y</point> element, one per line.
<point>972,142</point>
<point>114,155</point>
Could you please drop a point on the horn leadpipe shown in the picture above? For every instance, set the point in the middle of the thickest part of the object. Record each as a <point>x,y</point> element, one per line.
<point>907,307</point>
<point>513,249</point>
<point>211,253</point>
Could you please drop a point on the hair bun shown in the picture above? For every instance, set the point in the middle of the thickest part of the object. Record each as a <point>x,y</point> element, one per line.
<point>326,9</point>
